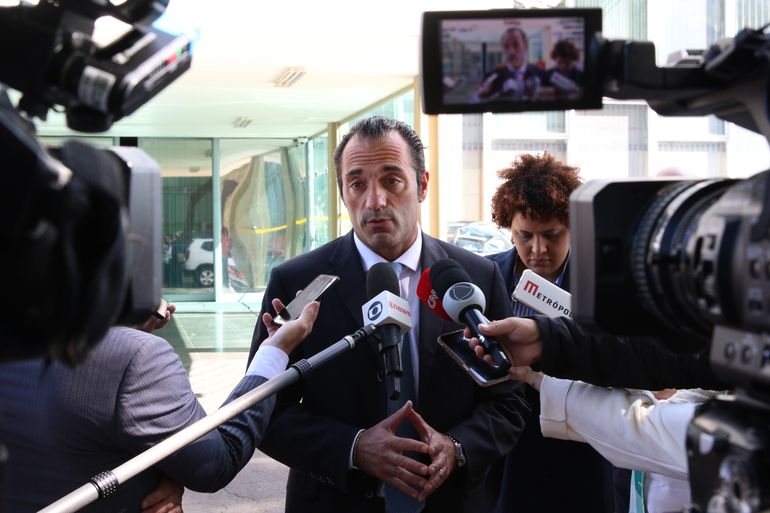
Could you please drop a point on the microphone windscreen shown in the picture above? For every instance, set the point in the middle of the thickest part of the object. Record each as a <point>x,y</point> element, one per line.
<point>381,277</point>
<point>429,297</point>
<point>445,273</point>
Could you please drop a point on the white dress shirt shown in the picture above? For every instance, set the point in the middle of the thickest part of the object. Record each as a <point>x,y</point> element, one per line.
<point>410,276</point>
<point>631,429</point>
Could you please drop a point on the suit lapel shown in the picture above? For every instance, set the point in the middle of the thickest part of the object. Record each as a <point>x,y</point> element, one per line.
<point>345,262</point>
<point>431,325</point>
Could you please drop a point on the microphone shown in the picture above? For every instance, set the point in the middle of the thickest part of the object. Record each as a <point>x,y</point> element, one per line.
<point>429,297</point>
<point>542,296</point>
<point>390,313</point>
<point>563,83</point>
<point>462,302</point>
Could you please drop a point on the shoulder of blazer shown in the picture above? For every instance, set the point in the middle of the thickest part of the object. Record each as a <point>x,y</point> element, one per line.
<point>322,257</point>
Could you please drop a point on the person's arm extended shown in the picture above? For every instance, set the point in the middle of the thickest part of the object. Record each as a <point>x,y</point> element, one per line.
<point>571,352</point>
<point>560,347</point>
<point>629,428</point>
<point>156,401</point>
<point>318,445</point>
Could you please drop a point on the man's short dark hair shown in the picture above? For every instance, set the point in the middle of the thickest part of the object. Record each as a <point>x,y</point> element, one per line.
<point>377,127</point>
<point>516,30</point>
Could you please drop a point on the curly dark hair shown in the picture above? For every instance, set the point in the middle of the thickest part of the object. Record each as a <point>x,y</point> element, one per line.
<point>565,49</point>
<point>537,186</point>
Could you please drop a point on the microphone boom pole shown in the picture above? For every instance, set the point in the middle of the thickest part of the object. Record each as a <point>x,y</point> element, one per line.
<point>106,483</point>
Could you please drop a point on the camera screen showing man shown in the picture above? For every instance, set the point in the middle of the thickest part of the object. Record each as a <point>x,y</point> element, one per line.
<point>512,59</point>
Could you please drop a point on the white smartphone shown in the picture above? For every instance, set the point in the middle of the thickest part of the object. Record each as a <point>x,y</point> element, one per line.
<point>312,292</point>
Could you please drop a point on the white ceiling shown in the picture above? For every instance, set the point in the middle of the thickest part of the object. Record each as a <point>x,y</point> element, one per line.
<point>355,52</point>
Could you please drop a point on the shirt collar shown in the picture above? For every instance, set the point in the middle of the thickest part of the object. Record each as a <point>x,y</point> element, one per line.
<point>410,258</point>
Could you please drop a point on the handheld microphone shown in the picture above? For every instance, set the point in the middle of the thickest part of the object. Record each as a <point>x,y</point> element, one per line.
<point>390,312</point>
<point>542,296</point>
<point>463,302</point>
<point>564,83</point>
<point>430,297</point>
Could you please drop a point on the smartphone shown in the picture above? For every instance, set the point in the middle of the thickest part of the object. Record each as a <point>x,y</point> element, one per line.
<point>313,291</point>
<point>160,313</point>
<point>458,348</point>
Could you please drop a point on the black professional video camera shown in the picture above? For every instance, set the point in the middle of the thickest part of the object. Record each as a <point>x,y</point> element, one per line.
<point>686,261</point>
<point>81,227</point>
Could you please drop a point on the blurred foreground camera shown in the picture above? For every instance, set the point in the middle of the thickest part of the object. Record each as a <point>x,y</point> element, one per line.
<point>56,61</point>
<point>685,261</point>
<point>82,226</point>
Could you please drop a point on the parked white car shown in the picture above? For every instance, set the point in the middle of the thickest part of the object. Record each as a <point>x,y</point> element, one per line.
<point>199,261</point>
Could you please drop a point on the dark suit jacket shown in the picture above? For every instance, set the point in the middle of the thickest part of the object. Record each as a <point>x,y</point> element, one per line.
<point>504,73</point>
<point>314,437</point>
<point>64,425</point>
<point>545,474</point>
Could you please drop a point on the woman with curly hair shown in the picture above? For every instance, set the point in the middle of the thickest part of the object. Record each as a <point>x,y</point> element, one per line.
<point>533,202</point>
<point>545,475</point>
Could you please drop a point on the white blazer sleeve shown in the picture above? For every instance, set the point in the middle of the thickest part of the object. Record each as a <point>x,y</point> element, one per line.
<point>629,428</point>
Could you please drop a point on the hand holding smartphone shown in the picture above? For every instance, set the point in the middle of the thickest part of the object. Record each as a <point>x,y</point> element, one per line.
<point>312,292</point>
<point>456,346</point>
<point>160,313</point>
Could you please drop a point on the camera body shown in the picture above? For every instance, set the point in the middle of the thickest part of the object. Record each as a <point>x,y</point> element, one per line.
<point>686,261</point>
<point>82,237</point>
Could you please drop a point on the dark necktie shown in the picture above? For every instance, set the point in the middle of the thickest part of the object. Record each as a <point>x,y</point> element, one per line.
<point>395,501</point>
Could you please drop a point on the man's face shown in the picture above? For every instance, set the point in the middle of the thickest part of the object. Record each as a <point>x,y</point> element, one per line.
<point>542,245</point>
<point>380,191</point>
<point>514,49</point>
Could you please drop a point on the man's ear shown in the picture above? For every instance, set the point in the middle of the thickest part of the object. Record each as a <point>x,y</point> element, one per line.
<point>423,185</point>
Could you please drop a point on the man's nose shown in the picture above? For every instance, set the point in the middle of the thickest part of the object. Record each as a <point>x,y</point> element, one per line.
<point>375,197</point>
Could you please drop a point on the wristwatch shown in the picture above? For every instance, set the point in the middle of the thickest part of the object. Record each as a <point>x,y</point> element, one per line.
<point>459,452</point>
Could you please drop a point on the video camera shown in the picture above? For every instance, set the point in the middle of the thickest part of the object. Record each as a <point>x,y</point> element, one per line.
<point>685,261</point>
<point>82,227</point>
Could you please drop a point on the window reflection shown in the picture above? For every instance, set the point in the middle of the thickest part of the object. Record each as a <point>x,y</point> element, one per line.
<point>188,215</point>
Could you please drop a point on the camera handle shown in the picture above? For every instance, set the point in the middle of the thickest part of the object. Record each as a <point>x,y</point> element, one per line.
<point>106,483</point>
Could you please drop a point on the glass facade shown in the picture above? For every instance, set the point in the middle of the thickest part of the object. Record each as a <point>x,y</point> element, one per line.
<point>264,197</point>
<point>267,210</point>
<point>318,191</point>
<point>188,215</point>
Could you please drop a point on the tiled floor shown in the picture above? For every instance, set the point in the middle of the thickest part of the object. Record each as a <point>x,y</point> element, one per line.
<point>213,342</point>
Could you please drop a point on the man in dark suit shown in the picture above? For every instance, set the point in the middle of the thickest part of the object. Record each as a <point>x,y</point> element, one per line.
<point>515,78</point>
<point>63,425</point>
<point>333,430</point>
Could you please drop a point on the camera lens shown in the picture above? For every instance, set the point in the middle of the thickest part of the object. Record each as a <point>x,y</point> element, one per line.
<point>674,281</point>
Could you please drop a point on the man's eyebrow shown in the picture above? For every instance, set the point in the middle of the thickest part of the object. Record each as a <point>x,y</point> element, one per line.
<point>387,168</point>
<point>354,172</point>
